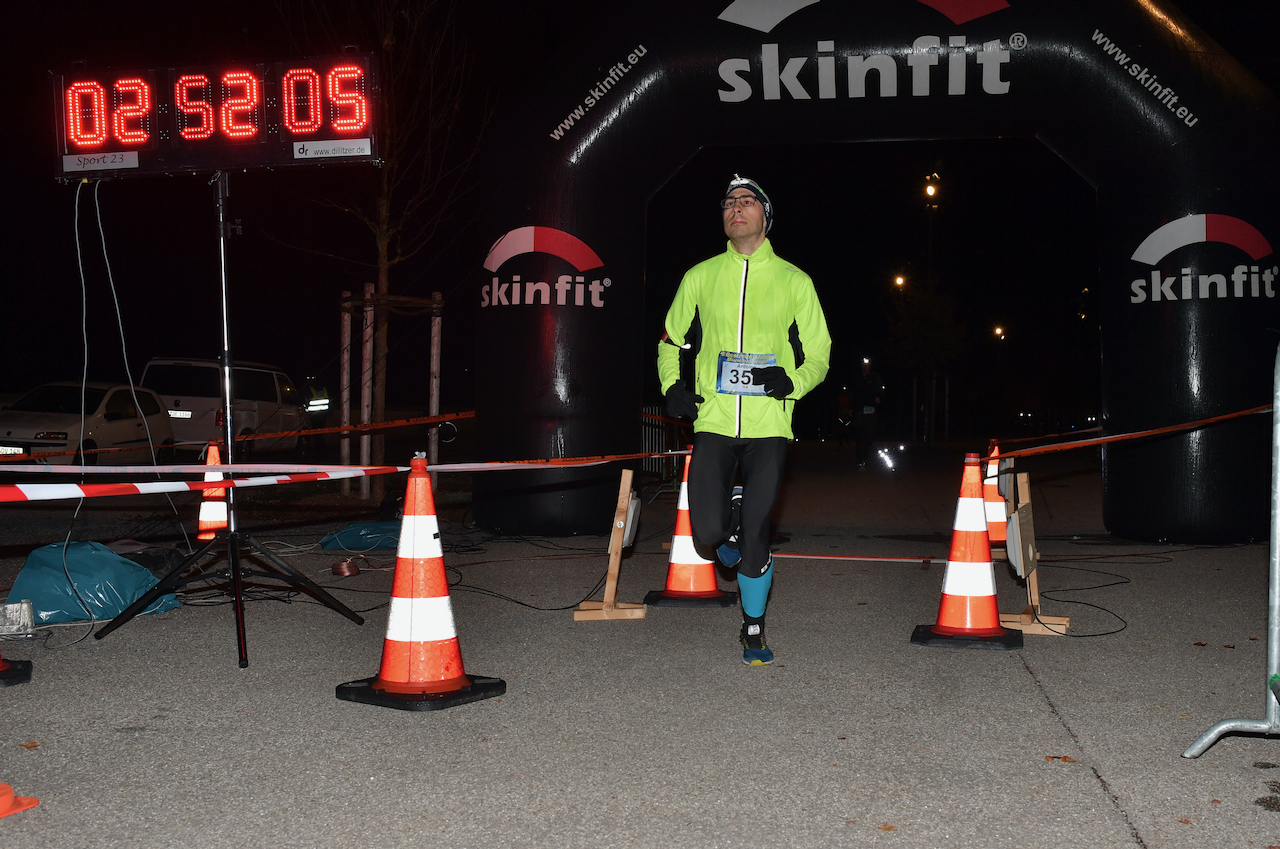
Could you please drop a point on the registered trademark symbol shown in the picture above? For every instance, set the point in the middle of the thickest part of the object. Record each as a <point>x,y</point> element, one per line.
<point>608,282</point>
<point>1017,41</point>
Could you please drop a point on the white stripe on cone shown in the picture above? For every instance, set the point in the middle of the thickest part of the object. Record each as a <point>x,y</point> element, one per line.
<point>971,515</point>
<point>419,538</point>
<point>415,620</point>
<point>682,551</point>
<point>213,511</point>
<point>972,579</point>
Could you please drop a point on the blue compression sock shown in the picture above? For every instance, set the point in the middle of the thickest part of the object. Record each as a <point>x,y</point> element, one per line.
<point>755,592</point>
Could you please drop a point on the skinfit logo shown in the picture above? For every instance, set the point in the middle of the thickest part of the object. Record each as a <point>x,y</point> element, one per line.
<point>569,289</point>
<point>1246,280</point>
<point>764,15</point>
<point>783,73</point>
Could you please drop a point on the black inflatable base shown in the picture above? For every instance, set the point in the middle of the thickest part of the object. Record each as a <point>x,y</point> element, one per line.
<point>660,598</point>
<point>362,691</point>
<point>19,672</point>
<point>924,636</point>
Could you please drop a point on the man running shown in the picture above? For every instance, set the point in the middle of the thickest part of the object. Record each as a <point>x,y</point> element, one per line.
<point>759,339</point>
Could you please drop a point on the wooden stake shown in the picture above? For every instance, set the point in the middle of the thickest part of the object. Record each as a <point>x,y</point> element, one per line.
<point>1031,620</point>
<point>610,607</point>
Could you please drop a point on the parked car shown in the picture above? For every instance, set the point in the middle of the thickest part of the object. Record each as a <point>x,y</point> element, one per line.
<point>265,401</point>
<point>48,419</point>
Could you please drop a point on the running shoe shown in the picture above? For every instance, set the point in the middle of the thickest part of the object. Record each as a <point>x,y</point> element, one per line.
<point>754,650</point>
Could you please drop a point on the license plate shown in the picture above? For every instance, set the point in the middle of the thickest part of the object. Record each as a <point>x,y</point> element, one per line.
<point>11,449</point>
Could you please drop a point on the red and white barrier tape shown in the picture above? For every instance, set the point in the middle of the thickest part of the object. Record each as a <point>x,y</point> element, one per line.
<point>58,491</point>
<point>1122,437</point>
<point>184,469</point>
<point>298,474</point>
<point>361,428</point>
<point>777,555</point>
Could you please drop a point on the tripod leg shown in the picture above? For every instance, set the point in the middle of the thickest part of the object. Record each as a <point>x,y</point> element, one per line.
<point>304,583</point>
<point>165,585</point>
<point>237,595</point>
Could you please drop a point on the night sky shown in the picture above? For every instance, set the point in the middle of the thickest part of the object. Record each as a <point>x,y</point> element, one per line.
<point>1013,240</point>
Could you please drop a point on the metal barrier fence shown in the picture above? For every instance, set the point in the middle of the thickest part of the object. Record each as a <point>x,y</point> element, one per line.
<point>654,438</point>
<point>1271,723</point>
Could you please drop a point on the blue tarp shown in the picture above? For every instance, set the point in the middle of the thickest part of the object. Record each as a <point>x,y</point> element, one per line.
<point>107,582</point>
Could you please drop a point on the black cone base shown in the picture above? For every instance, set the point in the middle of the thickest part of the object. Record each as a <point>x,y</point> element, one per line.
<point>925,636</point>
<point>660,598</point>
<point>362,691</point>
<point>19,672</point>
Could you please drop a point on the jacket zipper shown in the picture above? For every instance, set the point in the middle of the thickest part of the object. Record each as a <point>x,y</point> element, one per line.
<point>742,309</point>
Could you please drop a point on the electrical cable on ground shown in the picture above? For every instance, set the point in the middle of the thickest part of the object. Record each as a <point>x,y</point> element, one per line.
<point>124,352</point>
<point>84,377</point>
<point>1121,580</point>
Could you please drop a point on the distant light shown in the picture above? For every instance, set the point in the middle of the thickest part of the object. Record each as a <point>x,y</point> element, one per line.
<point>898,281</point>
<point>931,190</point>
<point>866,361</point>
<point>1000,331</point>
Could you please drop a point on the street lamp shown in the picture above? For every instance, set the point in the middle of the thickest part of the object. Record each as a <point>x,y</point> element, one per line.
<point>1000,333</point>
<point>899,281</point>
<point>931,190</point>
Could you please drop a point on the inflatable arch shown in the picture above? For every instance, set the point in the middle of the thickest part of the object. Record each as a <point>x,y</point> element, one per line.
<point>1176,138</point>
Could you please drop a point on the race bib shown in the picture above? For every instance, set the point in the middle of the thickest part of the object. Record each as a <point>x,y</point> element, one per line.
<point>733,374</point>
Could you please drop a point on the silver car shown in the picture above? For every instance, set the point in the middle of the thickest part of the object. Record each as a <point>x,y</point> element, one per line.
<point>48,419</point>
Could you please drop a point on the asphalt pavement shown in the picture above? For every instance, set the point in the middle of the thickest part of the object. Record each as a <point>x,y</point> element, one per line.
<point>651,732</point>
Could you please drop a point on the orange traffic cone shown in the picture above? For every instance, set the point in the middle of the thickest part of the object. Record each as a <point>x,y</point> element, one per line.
<point>996,514</point>
<point>691,578</point>
<point>213,505</point>
<point>968,616</point>
<point>14,672</point>
<point>421,663</point>
<point>11,804</point>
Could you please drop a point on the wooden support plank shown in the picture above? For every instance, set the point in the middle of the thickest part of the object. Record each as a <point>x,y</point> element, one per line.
<point>1031,620</point>
<point>610,607</point>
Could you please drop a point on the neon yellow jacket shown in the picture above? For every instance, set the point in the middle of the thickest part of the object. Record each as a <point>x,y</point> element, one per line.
<point>757,304</point>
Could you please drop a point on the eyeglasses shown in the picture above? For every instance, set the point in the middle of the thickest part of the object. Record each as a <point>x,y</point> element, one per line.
<point>746,201</point>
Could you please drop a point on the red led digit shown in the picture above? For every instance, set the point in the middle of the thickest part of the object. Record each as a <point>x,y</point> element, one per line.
<point>293,80</point>
<point>193,108</point>
<point>351,111</point>
<point>86,114</point>
<point>233,107</point>
<point>126,114</point>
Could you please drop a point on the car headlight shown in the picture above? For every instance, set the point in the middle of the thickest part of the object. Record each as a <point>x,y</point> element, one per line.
<point>52,434</point>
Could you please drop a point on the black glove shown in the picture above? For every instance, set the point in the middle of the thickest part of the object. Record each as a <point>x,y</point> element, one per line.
<point>682,402</point>
<point>774,380</point>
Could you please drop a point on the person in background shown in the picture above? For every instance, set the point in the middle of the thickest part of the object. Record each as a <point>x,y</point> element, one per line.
<point>868,392</point>
<point>844,416</point>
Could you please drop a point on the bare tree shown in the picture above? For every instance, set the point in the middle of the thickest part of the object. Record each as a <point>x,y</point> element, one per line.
<point>424,71</point>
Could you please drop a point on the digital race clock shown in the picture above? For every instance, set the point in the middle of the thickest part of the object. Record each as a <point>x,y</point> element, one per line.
<point>215,117</point>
